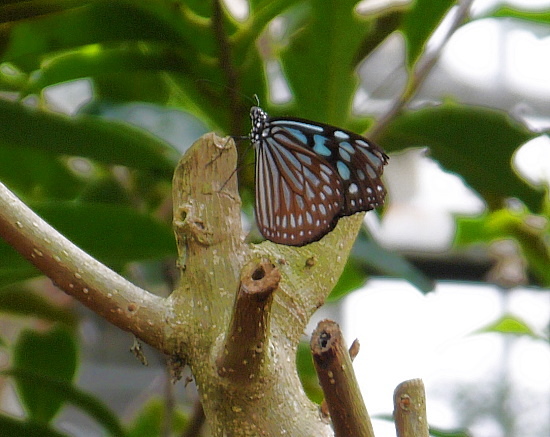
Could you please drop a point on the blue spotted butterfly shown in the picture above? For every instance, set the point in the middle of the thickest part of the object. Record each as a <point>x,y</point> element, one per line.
<point>309,174</point>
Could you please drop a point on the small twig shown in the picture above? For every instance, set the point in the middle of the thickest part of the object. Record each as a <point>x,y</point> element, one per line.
<point>409,409</point>
<point>196,422</point>
<point>353,351</point>
<point>245,347</point>
<point>422,69</point>
<point>169,403</point>
<point>334,369</point>
<point>226,62</point>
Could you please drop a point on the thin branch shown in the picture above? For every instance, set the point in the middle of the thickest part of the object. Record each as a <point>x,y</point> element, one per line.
<point>245,348</point>
<point>422,69</point>
<point>353,351</point>
<point>196,421</point>
<point>226,63</point>
<point>79,275</point>
<point>409,409</point>
<point>335,371</point>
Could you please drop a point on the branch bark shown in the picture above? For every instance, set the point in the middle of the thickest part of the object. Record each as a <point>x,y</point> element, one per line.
<point>245,349</point>
<point>335,371</point>
<point>409,409</point>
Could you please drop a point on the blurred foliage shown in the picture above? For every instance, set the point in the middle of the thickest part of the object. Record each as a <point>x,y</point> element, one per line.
<point>105,183</point>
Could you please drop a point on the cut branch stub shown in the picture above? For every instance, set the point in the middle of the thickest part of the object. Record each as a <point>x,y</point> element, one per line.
<point>334,369</point>
<point>409,409</point>
<point>245,348</point>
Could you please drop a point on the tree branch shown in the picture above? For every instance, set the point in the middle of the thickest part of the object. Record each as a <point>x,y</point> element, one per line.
<point>335,371</point>
<point>245,348</point>
<point>79,275</point>
<point>409,409</point>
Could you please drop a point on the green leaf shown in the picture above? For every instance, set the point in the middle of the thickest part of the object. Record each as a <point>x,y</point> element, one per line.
<point>114,234</point>
<point>306,371</point>
<point>505,224</point>
<point>63,389</point>
<point>105,141</point>
<point>18,428</point>
<point>34,174</point>
<point>440,432</point>
<point>50,355</point>
<point>419,24</point>
<point>542,17</point>
<point>24,10</point>
<point>351,279</point>
<point>13,267</point>
<point>19,301</point>
<point>318,59</point>
<point>476,143</point>
<point>93,23</point>
<point>509,324</point>
<point>384,26</point>
<point>373,256</point>
<point>148,422</point>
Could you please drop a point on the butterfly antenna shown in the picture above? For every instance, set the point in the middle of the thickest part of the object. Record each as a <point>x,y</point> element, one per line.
<point>241,158</point>
<point>224,147</point>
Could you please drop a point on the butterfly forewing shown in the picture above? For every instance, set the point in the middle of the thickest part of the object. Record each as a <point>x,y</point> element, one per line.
<point>308,175</point>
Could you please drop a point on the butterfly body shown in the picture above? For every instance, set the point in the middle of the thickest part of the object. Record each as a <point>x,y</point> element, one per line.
<point>309,174</point>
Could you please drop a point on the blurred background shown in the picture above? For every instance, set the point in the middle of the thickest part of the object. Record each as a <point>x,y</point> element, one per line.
<point>449,282</point>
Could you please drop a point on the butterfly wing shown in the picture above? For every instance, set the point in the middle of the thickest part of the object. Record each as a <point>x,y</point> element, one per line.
<point>309,174</point>
<point>299,195</point>
<point>360,164</point>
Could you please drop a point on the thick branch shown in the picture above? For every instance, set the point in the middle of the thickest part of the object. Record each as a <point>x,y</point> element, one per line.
<point>335,371</point>
<point>79,275</point>
<point>212,260</point>
<point>245,348</point>
<point>409,409</point>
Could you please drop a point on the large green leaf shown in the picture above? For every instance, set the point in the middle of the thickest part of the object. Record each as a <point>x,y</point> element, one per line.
<point>51,355</point>
<point>322,44</point>
<point>105,141</point>
<point>474,142</point>
<point>107,61</point>
<point>19,301</point>
<point>97,22</point>
<point>24,10</point>
<point>63,389</point>
<point>114,234</point>
<point>419,24</point>
<point>351,279</point>
<point>35,175</point>
<point>149,420</point>
<point>18,428</point>
<point>368,254</point>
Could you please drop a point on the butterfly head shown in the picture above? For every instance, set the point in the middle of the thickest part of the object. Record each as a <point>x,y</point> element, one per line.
<point>259,118</point>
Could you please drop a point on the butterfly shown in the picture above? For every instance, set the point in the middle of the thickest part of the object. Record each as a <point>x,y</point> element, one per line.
<point>310,174</point>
